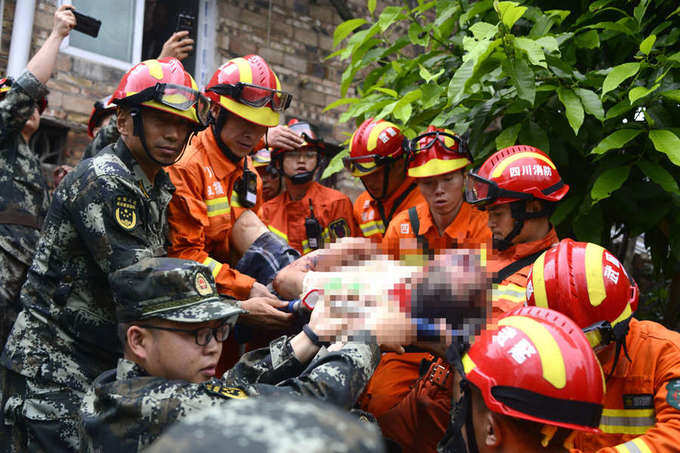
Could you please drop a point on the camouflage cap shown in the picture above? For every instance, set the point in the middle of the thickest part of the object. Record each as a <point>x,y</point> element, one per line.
<point>268,424</point>
<point>169,288</point>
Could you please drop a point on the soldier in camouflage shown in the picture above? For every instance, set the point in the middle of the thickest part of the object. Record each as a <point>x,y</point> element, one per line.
<point>170,313</point>
<point>24,192</point>
<point>284,424</point>
<point>106,214</point>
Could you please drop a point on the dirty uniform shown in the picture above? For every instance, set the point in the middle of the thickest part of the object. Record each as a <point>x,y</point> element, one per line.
<point>332,209</point>
<point>105,215</point>
<point>272,424</point>
<point>374,216</point>
<point>205,208</point>
<point>127,409</point>
<point>642,403</point>
<point>105,136</point>
<point>24,196</point>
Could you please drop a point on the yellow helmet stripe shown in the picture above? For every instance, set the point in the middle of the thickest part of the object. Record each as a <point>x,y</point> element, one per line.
<point>505,162</point>
<point>594,274</point>
<point>245,74</point>
<point>468,364</point>
<point>376,131</point>
<point>155,69</point>
<point>552,360</point>
<point>537,279</point>
<point>625,314</point>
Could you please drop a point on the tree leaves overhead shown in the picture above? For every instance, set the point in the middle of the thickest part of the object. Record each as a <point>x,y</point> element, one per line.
<point>617,75</point>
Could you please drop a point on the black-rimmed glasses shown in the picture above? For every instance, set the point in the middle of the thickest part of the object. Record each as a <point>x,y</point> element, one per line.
<point>202,335</point>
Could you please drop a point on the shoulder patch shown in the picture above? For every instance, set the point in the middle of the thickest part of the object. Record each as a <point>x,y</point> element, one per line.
<point>673,393</point>
<point>126,212</point>
<point>224,392</point>
<point>638,401</point>
<point>339,229</point>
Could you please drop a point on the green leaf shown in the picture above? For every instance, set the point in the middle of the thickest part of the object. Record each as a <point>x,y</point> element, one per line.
<point>414,35</point>
<point>608,182</point>
<point>335,165</point>
<point>457,84</point>
<point>616,140</point>
<point>387,91</point>
<point>588,226</point>
<point>647,44</point>
<point>477,8</point>
<point>564,208</point>
<point>522,78</point>
<point>344,29</point>
<point>618,110</point>
<point>591,103</point>
<point>483,30</point>
<point>574,109</point>
<point>371,6</point>
<point>673,95</point>
<point>533,50</point>
<point>509,12</point>
<point>388,17</point>
<point>588,40</point>
<point>339,102</point>
<point>659,175</point>
<point>677,11</point>
<point>508,136</point>
<point>404,108</point>
<point>666,142</point>
<point>639,92</point>
<point>534,135</point>
<point>427,76</point>
<point>675,57</point>
<point>617,75</point>
<point>548,43</point>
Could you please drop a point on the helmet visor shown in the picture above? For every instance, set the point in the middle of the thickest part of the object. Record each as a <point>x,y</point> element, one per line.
<point>174,96</point>
<point>364,165</point>
<point>447,142</point>
<point>255,95</point>
<point>481,191</point>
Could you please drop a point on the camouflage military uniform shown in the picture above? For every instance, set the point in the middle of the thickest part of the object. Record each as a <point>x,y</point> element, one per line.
<point>128,409</point>
<point>105,215</point>
<point>105,136</point>
<point>24,196</point>
<point>281,424</point>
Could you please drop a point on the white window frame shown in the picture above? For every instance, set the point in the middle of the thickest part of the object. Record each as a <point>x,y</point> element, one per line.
<point>108,61</point>
<point>205,45</point>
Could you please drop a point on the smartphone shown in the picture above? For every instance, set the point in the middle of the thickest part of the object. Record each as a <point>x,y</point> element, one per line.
<point>186,22</point>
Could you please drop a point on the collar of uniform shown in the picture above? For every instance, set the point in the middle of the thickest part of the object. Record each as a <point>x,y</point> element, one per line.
<point>220,163</point>
<point>519,251</point>
<point>387,204</point>
<point>128,369</point>
<point>311,191</point>
<point>162,179</point>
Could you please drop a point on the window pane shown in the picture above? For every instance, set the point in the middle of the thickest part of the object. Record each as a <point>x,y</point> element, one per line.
<point>116,35</point>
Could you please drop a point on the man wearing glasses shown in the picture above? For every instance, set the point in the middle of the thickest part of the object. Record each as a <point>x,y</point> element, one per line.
<point>172,325</point>
<point>307,215</point>
<point>106,214</point>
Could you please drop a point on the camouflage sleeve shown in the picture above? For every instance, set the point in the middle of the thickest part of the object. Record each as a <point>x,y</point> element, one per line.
<point>110,217</point>
<point>107,135</point>
<point>18,105</point>
<point>267,365</point>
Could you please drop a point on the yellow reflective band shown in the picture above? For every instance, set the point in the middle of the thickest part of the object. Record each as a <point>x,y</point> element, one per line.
<point>217,206</point>
<point>434,167</point>
<point>504,163</point>
<point>215,266</point>
<point>625,314</point>
<point>372,227</point>
<point>628,413</point>
<point>634,446</point>
<point>552,361</point>
<point>594,274</point>
<point>376,131</point>
<point>235,200</point>
<point>511,292</point>
<point>468,364</point>
<point>280,234</point>
<point>155,69</point>
<point>482,255</point>
<point>540,296</point>
<point>245,74</point>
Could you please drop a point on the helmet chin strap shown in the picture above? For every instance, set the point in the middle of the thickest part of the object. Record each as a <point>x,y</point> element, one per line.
<point>386,173</point>
<point>138,130</point>
<point>217,125</point>
<point>518,210</point>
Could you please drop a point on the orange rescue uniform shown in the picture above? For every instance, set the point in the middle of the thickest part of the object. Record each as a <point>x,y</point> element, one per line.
<point>421,416</point>
<point>205,207</point>
<point>469,229</point>
<point>286,217</point>
<point>642,403</point>
<point>374,216</point>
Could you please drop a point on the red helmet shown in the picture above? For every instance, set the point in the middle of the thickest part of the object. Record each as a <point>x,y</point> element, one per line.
<point>261,158</point>
<point>436,152</point>
<point>303,129</point>
<point>102,108</point>
<point>247,87</point>
<point>373,144</point>
<point>536,364</point>
<point>6,85</point>
<point>163,85</point>
<point>513,174</point>
<point>585,282</point>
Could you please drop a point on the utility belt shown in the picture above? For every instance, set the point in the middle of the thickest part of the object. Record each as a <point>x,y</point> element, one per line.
<point>14,217</point>
<point>435,373</point>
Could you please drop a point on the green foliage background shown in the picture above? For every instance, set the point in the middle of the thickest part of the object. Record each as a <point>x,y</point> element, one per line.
<point>597,87</point>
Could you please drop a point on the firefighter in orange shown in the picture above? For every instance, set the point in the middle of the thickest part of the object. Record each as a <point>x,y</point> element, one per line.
<point>437,162</point>
<point>519,187</point>
<point>641,359</point>
<point>377,156</point>
<point>271,179</point>
<point>307,215</point>
<point>218,193</point>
